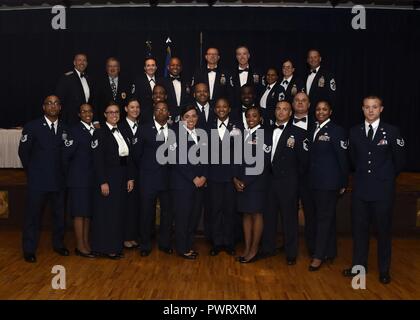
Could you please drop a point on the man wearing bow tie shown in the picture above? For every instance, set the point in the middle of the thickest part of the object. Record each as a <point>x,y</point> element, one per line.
<point>377,151</point>
<point>142,89</point>
<point>303,120</point>
<point>289,160</point>
<point>178,90</point>
<point>320,83</point>
<point>74,88</point>
<point>247,99</point>
<point>111,87</point>
<point>243,74</point>
<point>290,83</point>
<point>213,75</point>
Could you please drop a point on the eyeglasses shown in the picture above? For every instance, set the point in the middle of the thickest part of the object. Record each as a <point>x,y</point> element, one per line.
<point>112,112</point>
<point>50,103</point>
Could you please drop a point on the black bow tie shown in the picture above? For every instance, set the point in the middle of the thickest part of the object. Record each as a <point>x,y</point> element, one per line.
<point>295,120</point>
<point>243,70</point>
<point>211,70</point>
<point>285,82</point>
<point>134,125</point>
<point>152,80</point>
<point>222,124</point>
<point>82,75</point>
<point>281,127</point>
<point>115,129</point>
<point>175,78</point>
<point>313,71</point>
<point>91,128</point>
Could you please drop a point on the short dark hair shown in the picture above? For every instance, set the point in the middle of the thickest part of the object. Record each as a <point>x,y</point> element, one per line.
<point>150,58</point>
<point>131,100</point>
<point>224,99</point>
<point>80,54</point>
<point>186,109</point>
<point>327,103</point>
<point>85,104</point>
<point>254,107</point>
<point>112,103</point>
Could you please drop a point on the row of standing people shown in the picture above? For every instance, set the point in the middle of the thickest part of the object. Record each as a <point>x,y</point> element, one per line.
<point>317,180</point>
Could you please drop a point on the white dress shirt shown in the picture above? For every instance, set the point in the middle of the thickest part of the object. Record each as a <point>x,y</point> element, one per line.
<point>222,128</point>
<point>85,86</point>
<point>192,134</point>
<point>243,76</point>
<point>301,124</point>
<point>122,145</point>
<point>375,125</point>
<point>89,127</point>
<point>284,84</point>
<point>249,132</point>
<point>319,127</point>
<point>151,83</point>
<point>263,100</point>
<point>115,81</point>
<point>206,109</point>
<point>133,126</point>
<point>165,129</point>
<point>276,137</point>
<point>212,78</point>
<point>310,79</point>
<point>177,86</point>
<point>49,124</point>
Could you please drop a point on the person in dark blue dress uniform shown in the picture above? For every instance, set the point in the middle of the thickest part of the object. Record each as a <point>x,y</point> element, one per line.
<point>221,192</point>
<point>187,180</point>
<point>377,151</point>
<point>40,150</point>
<point>114,176</point>
<point>328,174</point>
<point>78,164</point>
<point>130,130</point>
<point>250,181</point>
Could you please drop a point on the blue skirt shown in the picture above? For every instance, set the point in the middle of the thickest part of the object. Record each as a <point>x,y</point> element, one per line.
<point>80,202</point>
<point>250,201</point>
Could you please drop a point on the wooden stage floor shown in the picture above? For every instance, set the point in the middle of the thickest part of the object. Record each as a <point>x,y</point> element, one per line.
<point>160,276</point>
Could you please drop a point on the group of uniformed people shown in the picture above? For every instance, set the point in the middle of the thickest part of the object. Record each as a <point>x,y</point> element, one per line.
<point>112,169</point>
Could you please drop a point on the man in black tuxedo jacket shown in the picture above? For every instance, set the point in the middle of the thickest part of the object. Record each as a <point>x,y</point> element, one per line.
<point>111,87</point>
<point>289,159</point>
<point>204,109</point>
<point>290,83</point>
<point>142,88</point>
<point>74,88</point>
<point>320,82</point>
<point>177,89</point>
<point>213,75</point>
<point>243,74</point>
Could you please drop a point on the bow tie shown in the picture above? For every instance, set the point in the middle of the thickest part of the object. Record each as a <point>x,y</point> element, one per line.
<point>222,124</point>
<point>313,71</point>
<point>295,120</point>
<point>285,82</point>
<point>152,80</point>
<point>243,70</point>
<point>134,125</point>
<point>211,70</point>
<point>82,75</point>
<point>175,78</point>
<point>268,88</point>
<point>91,128</point>
<point>115,129</point>
<point>281,127</point>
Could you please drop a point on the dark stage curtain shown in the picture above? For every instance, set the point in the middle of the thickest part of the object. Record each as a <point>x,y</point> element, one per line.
<point>383,59</point>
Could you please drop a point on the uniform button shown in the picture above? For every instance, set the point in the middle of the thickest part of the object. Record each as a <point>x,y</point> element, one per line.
<point>369,171</point>
<point>369,152</point>
<point>369,162</point>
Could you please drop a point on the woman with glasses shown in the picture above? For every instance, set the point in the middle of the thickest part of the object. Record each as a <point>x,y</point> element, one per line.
<point>113,178</point>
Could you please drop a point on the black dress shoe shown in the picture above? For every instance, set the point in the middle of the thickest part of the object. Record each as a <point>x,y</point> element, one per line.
<point>29,257</point>
<point>166,250</point>
<point>291,261</point>
<point>384,278</point>
<point>113,256</point>
<point>349,273</point>
<point>194,253</point>
<point>144,253</point>
<point>188,256</point>
<point>84,255</point>
<point>62,251</point>
<point>215,251</point>
<point>230,251</point>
